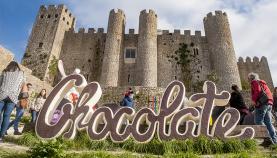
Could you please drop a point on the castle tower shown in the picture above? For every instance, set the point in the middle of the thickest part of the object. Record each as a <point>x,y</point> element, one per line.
<point>46,40</point>
<point>146,62</point>
<point>222,53</point>
<point>266,73</point>
<point>110,68</point>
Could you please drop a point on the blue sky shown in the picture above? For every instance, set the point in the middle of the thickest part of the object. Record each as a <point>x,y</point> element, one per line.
<point>17,18</point>
<point>253,22</point>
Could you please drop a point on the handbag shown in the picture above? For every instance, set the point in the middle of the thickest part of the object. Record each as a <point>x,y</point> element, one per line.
<point>23,97</point>
<point>263,98</point>
<point>23,103</point>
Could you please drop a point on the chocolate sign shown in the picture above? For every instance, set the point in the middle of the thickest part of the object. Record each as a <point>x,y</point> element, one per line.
<point>123,123</point>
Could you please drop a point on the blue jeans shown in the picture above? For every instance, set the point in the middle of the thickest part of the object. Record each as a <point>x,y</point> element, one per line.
<point>34,116</point>
<point>18,115</point>
<point>263,117</point>
<point>6,108</point>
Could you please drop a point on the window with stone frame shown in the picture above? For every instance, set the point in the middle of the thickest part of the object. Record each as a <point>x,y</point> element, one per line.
<point>130,53</point>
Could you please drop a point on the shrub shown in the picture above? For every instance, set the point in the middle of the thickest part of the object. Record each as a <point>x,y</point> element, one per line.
<point>28,139</point>
<point>216,146</point>
<point>50,149</point>
<point>154,147</point>
<point>249,144</point>
<point>128,144</point>
<point>242,155</point>
<point>202,145</point>
<point>233,146</point>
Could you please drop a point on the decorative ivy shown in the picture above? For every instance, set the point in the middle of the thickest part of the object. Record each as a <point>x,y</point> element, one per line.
<point>53,67</point>
<point>187,61</point>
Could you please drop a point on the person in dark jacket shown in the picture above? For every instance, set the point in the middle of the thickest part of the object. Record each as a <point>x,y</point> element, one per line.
<point>262,112</point>
<point>237,102</point>
<point>128,100</point>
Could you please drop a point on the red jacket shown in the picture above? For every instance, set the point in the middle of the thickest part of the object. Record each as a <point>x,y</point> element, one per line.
<point>256,90</point>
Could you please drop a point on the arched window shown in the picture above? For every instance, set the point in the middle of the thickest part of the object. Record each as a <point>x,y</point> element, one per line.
<point>41,16</point>
<point>195,51</point>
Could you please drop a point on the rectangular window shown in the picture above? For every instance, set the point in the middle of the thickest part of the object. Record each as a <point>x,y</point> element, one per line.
<point>130,53</point>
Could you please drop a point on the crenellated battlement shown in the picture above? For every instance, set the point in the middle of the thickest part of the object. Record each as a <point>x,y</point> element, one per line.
<point>257,65</point>
<point>217,13</point>
<point>197,33</point>
<point>148,12</point>
<point>255,60</point>
<point>55,10</point>
<point>87,31</point>
<point>117,11</point>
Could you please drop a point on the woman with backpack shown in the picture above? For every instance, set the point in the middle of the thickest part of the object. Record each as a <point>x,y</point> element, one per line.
<point>11,81</point>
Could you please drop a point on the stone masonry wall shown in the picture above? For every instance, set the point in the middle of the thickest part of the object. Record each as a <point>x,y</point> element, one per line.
<point>259,66</point>
<point>84,50</point>
<point>222,53</point>
<point>168,43</point>
<point>113,47</point>
<point>146,62</point>
<point>46,39</point>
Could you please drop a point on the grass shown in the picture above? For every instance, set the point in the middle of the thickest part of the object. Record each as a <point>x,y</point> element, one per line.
<point>200,145</point>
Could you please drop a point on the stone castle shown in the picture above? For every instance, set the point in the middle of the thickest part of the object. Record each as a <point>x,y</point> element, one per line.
<point>118,59</point>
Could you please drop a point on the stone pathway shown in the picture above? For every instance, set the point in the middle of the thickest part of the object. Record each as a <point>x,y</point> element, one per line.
<point>11,146</point>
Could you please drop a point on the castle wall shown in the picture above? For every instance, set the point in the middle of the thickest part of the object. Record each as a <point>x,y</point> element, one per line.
<point>127,70</point>
<point>259,66</point>
<point>101,56</point>
<point>84,50</point>
<point>168,43</point>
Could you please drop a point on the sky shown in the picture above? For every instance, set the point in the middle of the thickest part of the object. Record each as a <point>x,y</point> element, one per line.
<point>253,22</point>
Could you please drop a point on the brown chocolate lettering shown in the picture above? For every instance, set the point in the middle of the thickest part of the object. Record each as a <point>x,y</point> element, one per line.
<point>120,123</point>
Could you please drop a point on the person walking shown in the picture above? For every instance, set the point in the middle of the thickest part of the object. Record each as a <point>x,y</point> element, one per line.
<point>20,107</point>
<point>11,81</point>
<point>263,100</point>
<point>237,102</point>
<point>37,105</point>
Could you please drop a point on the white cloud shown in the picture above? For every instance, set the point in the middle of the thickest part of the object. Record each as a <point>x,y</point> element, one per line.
<point>253,22</point>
